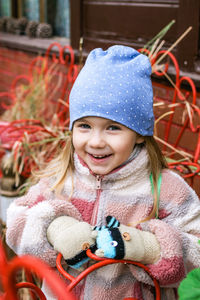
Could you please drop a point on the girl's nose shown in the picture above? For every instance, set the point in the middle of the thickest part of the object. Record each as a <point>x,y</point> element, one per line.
<point>97,140</point>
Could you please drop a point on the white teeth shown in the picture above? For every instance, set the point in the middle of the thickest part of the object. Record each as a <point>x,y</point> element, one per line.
<point>99,156</point>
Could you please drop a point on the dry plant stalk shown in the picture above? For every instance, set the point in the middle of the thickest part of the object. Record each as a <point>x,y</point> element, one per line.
<point>35,151</point>
<point>189,109</point>
<point>36,100</point>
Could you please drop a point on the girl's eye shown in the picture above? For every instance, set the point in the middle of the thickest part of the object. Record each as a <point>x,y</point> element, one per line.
<point>84,126</point>
<point>114,243</point>
<point>113,127</point>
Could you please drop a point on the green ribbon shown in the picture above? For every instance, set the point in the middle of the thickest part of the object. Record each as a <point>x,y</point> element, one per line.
<point>158,191</point>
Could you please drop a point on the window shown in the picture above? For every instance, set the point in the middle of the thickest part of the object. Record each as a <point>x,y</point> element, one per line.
<point>5,8</point>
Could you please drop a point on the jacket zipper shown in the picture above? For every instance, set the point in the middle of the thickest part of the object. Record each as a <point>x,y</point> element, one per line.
<point>94,218</point>
<point>96,206</point>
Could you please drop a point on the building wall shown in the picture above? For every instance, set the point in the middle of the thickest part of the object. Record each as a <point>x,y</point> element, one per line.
<point>135,22</point>
<point>13,63</point>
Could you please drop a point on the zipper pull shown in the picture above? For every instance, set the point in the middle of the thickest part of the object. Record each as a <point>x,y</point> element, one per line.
<point>98,182</point>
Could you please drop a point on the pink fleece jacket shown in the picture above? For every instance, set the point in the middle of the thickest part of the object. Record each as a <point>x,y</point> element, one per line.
<point>126,195</point>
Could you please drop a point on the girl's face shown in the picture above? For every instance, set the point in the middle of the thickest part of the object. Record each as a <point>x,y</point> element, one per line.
<point>103,144</point>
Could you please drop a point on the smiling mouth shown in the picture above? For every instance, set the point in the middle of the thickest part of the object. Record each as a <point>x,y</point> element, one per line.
<point>100,156</point>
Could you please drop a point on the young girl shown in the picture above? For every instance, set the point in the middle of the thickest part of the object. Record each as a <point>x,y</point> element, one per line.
<point>111,165</point>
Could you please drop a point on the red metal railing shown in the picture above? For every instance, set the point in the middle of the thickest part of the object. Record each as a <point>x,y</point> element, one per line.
<point>101,262</point>
<point>65,72</point>
<point>186,100</point>
<point>64,67</point>
<point>9,269</point>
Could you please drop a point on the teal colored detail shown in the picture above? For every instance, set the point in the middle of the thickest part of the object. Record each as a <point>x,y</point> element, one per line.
<point>80,263</point>
<point>113,223</point>
<point>104,241</point>
<point>158,192</point>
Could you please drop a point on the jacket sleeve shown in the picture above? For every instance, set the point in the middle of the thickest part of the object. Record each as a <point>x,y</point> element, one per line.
<point>177,232</point>
<point>28,218</point>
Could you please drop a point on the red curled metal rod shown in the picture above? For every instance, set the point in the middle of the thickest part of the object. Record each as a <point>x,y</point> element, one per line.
<point>42,270</point>
<point>10,96</point>
<point>102,262</point>
<point>32,287</point>
<point>9,269</point>
<point>187,164</point>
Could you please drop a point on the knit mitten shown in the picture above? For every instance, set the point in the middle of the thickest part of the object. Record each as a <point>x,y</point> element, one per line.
<point>124,242</point>
<point>71,238</point>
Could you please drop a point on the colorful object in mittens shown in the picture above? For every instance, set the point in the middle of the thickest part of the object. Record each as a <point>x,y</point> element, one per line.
<point>189,288</point>
<point>119,241</point>
<point>110,239</point>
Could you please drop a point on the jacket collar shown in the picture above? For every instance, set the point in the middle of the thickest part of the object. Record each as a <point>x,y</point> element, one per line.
<point>125,175</point>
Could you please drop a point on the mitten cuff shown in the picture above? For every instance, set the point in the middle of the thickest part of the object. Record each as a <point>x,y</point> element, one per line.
<point>151,246</point>
<point>142,245</point>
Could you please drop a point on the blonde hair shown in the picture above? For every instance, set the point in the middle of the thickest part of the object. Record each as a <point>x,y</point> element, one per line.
<point>157,162</point>
<point>60,167</point>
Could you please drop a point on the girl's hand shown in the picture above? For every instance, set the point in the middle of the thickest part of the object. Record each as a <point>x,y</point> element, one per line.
<point>71,238</point>
<point>124,242</point>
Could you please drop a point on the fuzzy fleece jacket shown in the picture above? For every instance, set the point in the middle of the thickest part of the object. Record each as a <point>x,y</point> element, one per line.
<point>126,195</point>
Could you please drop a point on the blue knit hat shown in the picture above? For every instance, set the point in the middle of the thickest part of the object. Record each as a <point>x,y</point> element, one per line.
<point>115,84</point>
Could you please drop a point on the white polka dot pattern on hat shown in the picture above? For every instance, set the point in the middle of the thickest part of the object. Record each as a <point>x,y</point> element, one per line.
<point>115,84</point>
